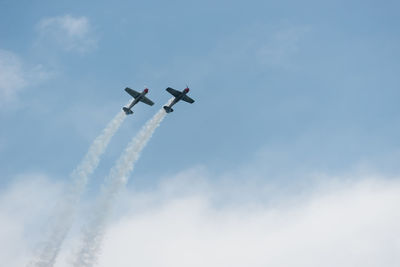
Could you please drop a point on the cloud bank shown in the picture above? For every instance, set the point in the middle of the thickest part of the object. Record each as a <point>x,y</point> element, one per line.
<point>25,206</point>
<point>336,224</point>
<point>187,221</point>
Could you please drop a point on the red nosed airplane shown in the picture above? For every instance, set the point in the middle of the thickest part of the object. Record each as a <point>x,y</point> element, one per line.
<point>137,97</point>
<point>178,96</point>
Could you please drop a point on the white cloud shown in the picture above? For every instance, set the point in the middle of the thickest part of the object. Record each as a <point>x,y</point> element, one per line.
<point>15,75</point>
<point>68,32</point>
<point>24,209</point>
<point>340,221</point>
<point>12,75</point>
<point>344,224</point>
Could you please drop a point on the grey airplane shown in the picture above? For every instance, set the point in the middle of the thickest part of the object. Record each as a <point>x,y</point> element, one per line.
<point>137,97</point>
<point>178,96</point>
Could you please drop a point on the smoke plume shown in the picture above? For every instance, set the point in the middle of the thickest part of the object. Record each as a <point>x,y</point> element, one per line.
<point>47,255</point>
<point>117,179</point>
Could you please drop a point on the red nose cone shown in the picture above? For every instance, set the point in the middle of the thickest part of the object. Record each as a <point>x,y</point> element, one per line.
<point>187,90</point>
<point>146,90</point>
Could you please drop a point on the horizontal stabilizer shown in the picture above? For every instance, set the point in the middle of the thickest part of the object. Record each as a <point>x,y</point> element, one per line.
<point>168,109</point>
<point>127,111</point>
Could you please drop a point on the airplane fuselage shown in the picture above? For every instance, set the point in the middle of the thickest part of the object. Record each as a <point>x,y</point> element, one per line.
<point>137,99</point>
<point>177,99</point>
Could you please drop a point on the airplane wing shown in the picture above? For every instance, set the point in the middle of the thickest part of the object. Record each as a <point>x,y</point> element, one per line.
<point>133,93</point>
<point>173,92</point>
<point>146,101</point>
<point>187,99</point>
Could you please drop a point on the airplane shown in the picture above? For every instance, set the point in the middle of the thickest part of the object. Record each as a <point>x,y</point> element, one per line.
<point>137,97</point>
<point>178,96</point>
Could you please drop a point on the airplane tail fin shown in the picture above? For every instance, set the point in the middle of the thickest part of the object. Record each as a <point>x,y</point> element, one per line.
<point>127,111</point>
<point>168,109</point>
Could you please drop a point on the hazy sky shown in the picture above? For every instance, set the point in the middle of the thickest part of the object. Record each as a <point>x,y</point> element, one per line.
<point>315,83</point>
<point>285,91</point>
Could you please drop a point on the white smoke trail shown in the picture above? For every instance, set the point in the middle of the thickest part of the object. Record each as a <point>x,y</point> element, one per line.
<point>93,234</point>
<point>67,208</point>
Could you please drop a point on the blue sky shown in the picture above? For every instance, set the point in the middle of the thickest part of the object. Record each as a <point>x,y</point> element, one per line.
<point>283,89</point>
<point>298,79</point>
